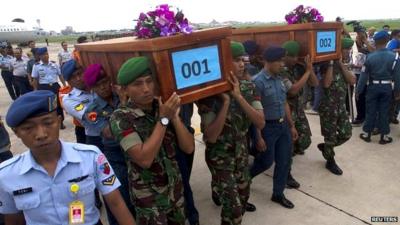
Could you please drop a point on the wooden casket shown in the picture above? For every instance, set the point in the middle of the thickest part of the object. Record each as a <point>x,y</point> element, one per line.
<point>195,65</point>
<point>322,41</point>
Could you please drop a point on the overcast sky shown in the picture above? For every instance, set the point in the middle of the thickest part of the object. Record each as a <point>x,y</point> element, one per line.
<point>93,15</point>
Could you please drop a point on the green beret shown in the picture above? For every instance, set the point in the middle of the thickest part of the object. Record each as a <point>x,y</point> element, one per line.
<point>292,48</point>
<point>132,69</point>
<point>347,43</point>
<point>237,49</point>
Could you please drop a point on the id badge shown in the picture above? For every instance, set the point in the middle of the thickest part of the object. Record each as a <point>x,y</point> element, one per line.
<point>76,212</point>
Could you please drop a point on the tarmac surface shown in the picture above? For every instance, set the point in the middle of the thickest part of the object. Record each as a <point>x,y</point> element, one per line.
<point>369,186</point>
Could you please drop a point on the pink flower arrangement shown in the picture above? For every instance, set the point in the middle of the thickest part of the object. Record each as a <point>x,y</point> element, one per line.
<point>303,14</point>
<point>162,22</point>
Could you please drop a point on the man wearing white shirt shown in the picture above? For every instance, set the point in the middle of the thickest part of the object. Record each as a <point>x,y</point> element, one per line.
<point>19,68</point>
<point>64,55</point>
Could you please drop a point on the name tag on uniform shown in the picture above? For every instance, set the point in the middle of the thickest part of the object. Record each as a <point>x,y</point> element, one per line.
<point>76,212</point>
<point>22,191</point>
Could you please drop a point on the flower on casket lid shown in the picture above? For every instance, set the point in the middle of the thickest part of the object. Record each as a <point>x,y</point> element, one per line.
<point>303,14</point>
<point>162,22</point>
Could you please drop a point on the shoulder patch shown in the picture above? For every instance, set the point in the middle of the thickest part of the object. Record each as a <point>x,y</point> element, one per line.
<point>10,161</point>
<point>109,181</point>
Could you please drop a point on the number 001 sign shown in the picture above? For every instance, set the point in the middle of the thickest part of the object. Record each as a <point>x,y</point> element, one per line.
<point>196,66</point>
<point>326,41</point>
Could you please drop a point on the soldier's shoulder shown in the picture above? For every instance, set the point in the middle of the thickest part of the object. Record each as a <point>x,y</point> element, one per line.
<point>8,163</point>
<point>82,148</point>
<point>127,110</point>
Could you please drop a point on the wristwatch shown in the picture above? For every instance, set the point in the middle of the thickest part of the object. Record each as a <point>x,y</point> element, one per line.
<point>164,121</point>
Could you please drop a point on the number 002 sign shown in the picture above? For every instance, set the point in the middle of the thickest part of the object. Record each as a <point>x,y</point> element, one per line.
<point>196,66</point>
<point>326,41</point>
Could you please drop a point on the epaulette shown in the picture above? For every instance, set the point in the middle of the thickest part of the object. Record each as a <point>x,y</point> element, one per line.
<point>83,147</point>
<point>10,161</point>
<point>138,112</point>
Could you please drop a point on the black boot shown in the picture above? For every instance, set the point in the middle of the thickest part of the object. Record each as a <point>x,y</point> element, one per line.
<point>283,201</point>
<point>333,167</point>
<point>366,137</point>
<point>216,200</point>
<point>291,182</point>
<point>250,207</point>
<point>385,140</point>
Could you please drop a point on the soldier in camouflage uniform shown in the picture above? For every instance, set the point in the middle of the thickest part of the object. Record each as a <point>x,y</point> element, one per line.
<point>295,77</point>
<point>335,124</point>
<point>96,117</point>
<point>225,121</point>
<point>149,141</point>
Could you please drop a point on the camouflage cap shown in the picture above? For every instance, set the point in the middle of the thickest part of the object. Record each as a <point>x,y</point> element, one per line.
<point>132,69</point>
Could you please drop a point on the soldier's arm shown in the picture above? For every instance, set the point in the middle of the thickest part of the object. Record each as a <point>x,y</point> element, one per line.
<point>118,208</point>
<point>255,114</point>
<point>362,80</point>
<point>59,59</point>
<point>348,75</point>
<point>290,122</point>
<point>14,219</point>
<point>62,81</point>
<point>144,153</point>
<point>35,77</point>
<point>396,78</point>
<point>185,138</point>
<point>327,77</point>
<point>313,79</point>
<point>213,129</point>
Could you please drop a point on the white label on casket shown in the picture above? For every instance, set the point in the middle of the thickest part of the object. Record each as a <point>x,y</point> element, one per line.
<point>326,41</point>
<point>196,66</point>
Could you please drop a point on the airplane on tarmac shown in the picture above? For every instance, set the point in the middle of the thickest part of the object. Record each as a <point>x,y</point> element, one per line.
<point>20,32</point>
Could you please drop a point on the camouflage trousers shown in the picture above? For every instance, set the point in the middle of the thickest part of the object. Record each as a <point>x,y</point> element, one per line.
<point>303,129</point>
<point>335,127</point>
<point>160,216</point>
<point>230,178</point>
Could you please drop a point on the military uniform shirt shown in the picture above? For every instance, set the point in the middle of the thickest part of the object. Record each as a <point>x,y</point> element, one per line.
<point>19,67</point>
<point>30,65</point>
<point>103,112</point>
<point>46,73</point>
<point>273,95</point>
<point>75,104</point>
<point>378,66</point>
<point>25,185</point>
<point>158,187</point>
<point>5,62</point>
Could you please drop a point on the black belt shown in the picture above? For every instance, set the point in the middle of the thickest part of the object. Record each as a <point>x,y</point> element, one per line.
<point>280,120</point>
<point>52,84</point>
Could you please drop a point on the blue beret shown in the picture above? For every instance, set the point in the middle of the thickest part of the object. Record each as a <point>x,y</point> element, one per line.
<point>381,35</point>
<point>34,50</point>
<point>68,68</point>
<point>251,47</point>
<point>274,53</point>
<point>31,104</point>
<point>41,51</point>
